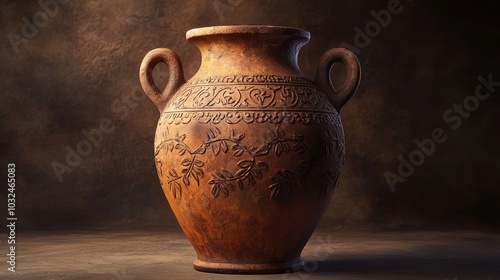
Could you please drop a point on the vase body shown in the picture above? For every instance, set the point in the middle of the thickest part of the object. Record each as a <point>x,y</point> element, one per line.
<point>248,150</point>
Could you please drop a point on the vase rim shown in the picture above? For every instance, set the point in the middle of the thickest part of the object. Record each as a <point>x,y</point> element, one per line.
<point>247,29</point>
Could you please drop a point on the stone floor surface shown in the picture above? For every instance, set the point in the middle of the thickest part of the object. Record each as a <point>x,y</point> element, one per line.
<point>330,254</point>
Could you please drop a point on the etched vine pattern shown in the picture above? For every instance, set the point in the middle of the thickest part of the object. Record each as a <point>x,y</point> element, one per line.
<point>250,167</point>
<point>285,180</point>
<point>333,144</point>
<point>192,167</point>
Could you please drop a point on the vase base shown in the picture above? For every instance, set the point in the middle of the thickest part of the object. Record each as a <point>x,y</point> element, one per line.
<point>249,268</point>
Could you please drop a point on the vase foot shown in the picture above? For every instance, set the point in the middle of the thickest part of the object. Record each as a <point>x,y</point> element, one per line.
<point>249,268</point>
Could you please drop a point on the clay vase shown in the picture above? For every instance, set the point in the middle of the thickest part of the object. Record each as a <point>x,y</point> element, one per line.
<point>249,150</point>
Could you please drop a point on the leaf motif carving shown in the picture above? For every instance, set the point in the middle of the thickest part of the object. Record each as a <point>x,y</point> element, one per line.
<point>280,132</point>
<point>249,168</point>
<point>198,163</point>
<point>216,148</point>
<point>224,146</point>
<point>227,174</point>
<point>223,190</point>
<point>278,149</point>
<point>238,152</point>
<point>216,190</point>
<point>245,163</point>
<point>262,165</point>
<point>275,190</point>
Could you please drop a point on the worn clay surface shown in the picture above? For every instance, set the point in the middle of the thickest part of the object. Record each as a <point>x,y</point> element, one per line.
<point>248,150</point>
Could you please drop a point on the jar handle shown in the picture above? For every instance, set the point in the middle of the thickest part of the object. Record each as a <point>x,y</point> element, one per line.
<point>176,79</point>
<point>338,97</point>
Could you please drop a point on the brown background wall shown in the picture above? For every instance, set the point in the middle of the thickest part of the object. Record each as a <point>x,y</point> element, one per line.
<point>80,67</point>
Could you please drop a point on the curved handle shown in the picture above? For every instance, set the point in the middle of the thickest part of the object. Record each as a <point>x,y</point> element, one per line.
<point>176,79</point>
<point>338,97</point>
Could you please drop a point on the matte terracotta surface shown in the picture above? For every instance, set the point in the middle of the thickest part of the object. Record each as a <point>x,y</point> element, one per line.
<point>249,150</point>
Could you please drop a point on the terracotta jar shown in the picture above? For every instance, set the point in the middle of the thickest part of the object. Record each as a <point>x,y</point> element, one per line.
<point>249,150</point>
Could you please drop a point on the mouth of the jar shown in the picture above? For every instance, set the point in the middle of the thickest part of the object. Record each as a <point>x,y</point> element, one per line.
<point>247,29</point>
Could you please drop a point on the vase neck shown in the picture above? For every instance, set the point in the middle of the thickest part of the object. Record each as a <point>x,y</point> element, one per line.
<point>249,53</point>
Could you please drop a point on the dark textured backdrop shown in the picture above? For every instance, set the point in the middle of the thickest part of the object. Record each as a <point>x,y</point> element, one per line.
<point>76,68</point>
